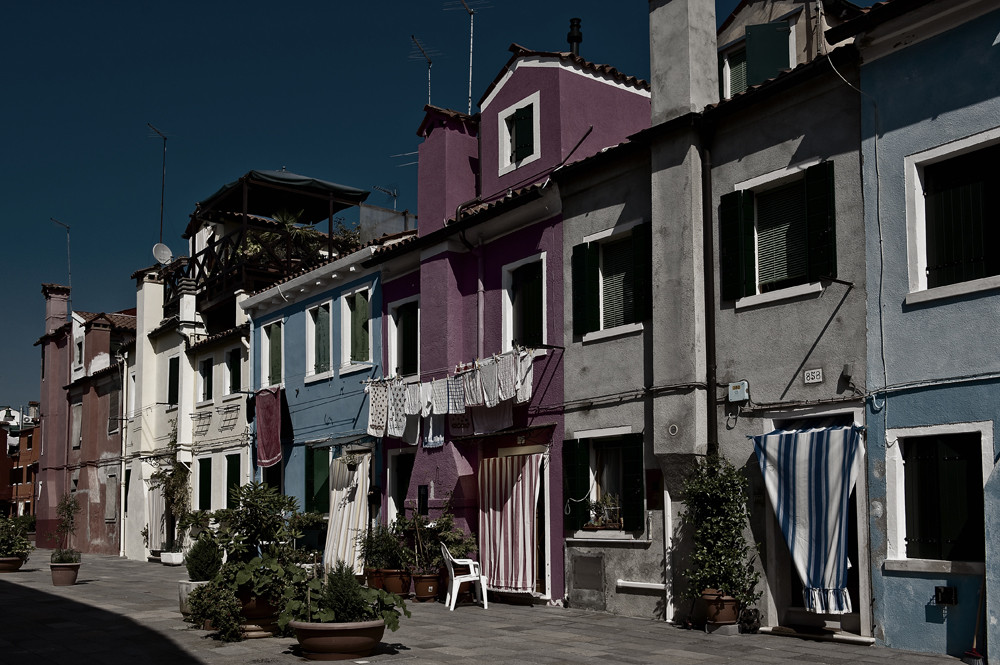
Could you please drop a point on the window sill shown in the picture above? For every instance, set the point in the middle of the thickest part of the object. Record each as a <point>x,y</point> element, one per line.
<point>353,368</point>
<point>952,290</point>
<point>591,540</point>
<point>781,294</point>
<point>322,376</point>
<point>231,397</point>
<point>171,408</point>
<point>203,403</point>
<point>934,566</point>
<point>610,333</point>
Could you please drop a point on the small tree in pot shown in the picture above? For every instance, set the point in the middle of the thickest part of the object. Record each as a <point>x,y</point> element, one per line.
<point>65,561</point>
<point>203,562</point>
<point>722,570</point>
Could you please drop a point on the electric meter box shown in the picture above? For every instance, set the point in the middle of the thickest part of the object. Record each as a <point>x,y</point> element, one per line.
<point>739,391</point>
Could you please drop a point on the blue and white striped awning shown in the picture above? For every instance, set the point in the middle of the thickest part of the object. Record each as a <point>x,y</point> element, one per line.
<point>809,475</point>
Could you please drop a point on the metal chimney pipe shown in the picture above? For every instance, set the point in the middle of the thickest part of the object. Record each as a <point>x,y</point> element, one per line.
<point>575,36</point>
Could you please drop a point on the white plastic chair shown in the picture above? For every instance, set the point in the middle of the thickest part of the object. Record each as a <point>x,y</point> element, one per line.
<point>475,576</point>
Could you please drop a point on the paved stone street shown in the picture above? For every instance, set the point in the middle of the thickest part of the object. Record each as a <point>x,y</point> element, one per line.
<point>125,612</point>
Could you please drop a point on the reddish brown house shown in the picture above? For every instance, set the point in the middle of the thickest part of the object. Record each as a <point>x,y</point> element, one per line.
<point>81,411</point>
<point>19,447</point>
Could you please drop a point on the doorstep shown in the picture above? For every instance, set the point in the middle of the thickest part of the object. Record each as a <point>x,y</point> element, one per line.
<point>819,635</point>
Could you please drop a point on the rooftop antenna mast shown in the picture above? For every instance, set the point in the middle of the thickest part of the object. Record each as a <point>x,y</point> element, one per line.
<point>472,19</point>
<point>389,190</point>
<point>428,58</point>
<point>69,269</point>
<point>163,177</point>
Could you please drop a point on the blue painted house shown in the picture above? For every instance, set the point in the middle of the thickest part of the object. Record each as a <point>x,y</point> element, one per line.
<point>931,149</point>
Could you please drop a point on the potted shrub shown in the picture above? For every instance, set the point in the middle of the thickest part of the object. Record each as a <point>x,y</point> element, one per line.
<point>215,607</point>
<point>14,544</point>
<point>424,570</point>
<point>203,562</point>
<point>605,513</point>
<point>382,548</point>
<point>460,543</point>
<point>371,549</point>
<point>65,561</point>
<point>172,481</point>
<point>722,569</point>
<point>339,619</point>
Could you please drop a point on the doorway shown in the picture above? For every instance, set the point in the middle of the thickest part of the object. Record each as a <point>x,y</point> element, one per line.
<point>400,470</point>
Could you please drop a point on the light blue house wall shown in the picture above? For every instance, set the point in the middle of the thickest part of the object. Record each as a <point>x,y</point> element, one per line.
<point>934,349</point>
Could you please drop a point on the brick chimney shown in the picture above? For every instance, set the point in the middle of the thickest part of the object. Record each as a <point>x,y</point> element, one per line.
<point>447,166</point>
<point>683,57</point>
<point>56,305</point>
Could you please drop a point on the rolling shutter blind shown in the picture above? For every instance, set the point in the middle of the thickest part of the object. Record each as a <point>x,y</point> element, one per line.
<point>274,353</point>
<point>633,474</point>
<point>358,304</point>
<point>321,339</point>
<point>524,137</point>
<point>766,52</point>
<point>586,288</point>
<point>782,241</point>
<point>737,71</point>
<point>232,478</point>
<point>821,221</point>
<point>205,483</point>
<point>526,283</point>
<point>576,483</point>
<point>617,277</point>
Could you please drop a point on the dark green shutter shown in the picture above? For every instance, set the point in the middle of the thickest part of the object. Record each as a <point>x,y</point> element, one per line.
<point>317,480</point>
<point>920,488</point>
<point>274,353</point>
<point>576,483</point>
<point>524,135</point>
<point>633,507</point>
<point>961,508</point>
<point>642,255</point>
<point>321,339</point>
<point>173,380</point>
<point>821,221</point>
<point>232,478</point>
<point>205,484</point>
<point>737,259</point>
<point>586,273</point>
<point>359,327</point>
<point>767,51</point>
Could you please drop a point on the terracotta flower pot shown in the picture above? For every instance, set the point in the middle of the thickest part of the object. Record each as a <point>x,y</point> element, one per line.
<point>425,587</point>
<point>64,574</point>
<point>397,581</point>
<point>722,609</point>
<point>338,641</point>
<point>8,564</point>
<point>258,614</point>
<point>374,578</point>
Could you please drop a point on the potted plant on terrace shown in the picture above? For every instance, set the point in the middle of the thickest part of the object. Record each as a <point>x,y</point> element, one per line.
<point>386,558</point>
<point>14,544</point>
<point>65,561</point>
<point>339,619</point>
<point>722,569</point>
<point>203,562</point>
<point>172,481</point>
<point>424,570</point>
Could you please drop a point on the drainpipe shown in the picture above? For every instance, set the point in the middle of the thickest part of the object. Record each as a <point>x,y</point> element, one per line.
<point>123,433</point>
<point>705,132</point>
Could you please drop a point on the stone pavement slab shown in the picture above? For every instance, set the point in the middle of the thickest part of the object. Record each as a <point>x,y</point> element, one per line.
<point>126,613</point>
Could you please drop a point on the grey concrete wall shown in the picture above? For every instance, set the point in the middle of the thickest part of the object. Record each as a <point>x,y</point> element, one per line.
<point>683,66</point>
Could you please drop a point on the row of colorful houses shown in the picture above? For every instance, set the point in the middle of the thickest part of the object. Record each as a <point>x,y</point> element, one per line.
<point>777,250</point>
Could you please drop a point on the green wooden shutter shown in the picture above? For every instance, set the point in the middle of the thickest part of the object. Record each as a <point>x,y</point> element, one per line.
<point>821,221</point>
<point>633,507</point>
<point>321,339</point>
<point>274,353</point>
<point>960,482</point>
<point>232,478</point>
<point>576,483</point>
<point>406,339</point>
<point>359,327</point>
<point>524,135</point>
<point>737,259</point>
<point>767,51</point>
<point>642,256</point>
<point>921,500</point>
<point>586,273</point>
<point>173,380</point>
<point>205,483</point>
<point>317,480</point>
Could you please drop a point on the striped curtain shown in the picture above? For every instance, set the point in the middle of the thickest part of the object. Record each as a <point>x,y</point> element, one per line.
<point>348,512</point>
<point>508,494</point>
<point>809,475</point>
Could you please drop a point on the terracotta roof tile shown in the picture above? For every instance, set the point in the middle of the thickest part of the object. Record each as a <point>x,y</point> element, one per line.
<point>238,331</point>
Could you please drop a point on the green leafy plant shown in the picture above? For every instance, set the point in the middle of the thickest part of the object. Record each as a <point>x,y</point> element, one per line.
<point>13,539</point>
<point>203,560</point>
<point>66,511</point>
<point>216,605</point>
<point>27,523</point>
<point>605,512</point>
<point>382,547</point>
<point>720,557</point>
<point>172,481</point>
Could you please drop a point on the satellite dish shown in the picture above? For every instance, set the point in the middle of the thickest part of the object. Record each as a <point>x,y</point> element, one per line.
<point>162,253</point>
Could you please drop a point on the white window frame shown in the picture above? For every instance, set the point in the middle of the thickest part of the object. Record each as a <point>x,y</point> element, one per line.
<point>311,374</point>
<point>227,375</point>
<point>916,218</point>
<point>348,366</point>
<point>202,399</point>
<point>507,308</point>
<point>596,436</point>
<point>741,43</point>
<point>265,354</point>
<point>503,132</point>
<point>895,490</point>
<point>609,235</point>
<point>131,395</point>
<point>393,337</point>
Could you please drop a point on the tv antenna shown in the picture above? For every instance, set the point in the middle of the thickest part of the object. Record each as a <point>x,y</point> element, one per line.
<point>163,177</point>
<point>391,190</point>
<point>69,269</point>
<point>427,57</point>
<point>471,8</point>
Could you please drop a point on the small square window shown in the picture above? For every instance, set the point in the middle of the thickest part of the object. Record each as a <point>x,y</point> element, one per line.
<point>604,483</point>
<point>519,134</point>
<point>611,280</point>
<point>524,303</point>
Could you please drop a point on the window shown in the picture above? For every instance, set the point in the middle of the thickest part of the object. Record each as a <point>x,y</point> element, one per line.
<point>404,338</point>
<point>114,414</point>
<point>944,497</point>
<point>111,499</point>
<point>355,331</point>
<point>27,444</point>
<point>317,480</point>
<point>961,210</point>
<point>128,485</point>
<point>173,381</point>
<point>765,50</point>
<point>611,280</point>
<point>524,302</point>
<point>270,352</point>
<point>205,379</point>
<point>233,466</point>
<point>76,423</point>
<point>234,371</point>
<point>205,483</point>
<point>519,135</point>
<point>608,470</point>
<point>318,340</point>
<point>78,356</point>
<point>780,236</point>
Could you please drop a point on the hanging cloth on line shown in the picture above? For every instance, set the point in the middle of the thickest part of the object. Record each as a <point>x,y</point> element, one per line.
<point>488,376</point>
<point>439,396</point>
<point>268,427</point>
<point>506,375</point>
<point>473,387</point>
<point>525,376</point>
<point>456,395</point>
<point>378,403</point>
<point>396,410</point>
<point>413,399</point>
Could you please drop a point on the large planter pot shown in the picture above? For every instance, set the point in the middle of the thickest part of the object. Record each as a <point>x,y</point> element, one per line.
<point>172,558</point>
<point>374,578</point>
<point>721,609</point>
<point>425,587</point>
<point>258,614</point>
<point>397,581</point>
<point>184,589</point>
<point>64,574</point>
<point>338,641</point>
<point>8,564</point>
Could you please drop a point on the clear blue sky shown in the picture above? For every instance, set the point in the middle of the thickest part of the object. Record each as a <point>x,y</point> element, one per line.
<point>325,89</point>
